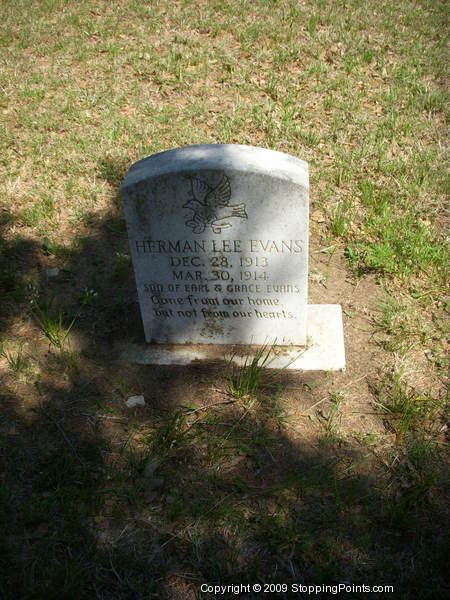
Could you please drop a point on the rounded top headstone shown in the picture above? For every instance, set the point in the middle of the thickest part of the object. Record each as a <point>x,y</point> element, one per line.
<point>231,157</point>
<point>219,241</point>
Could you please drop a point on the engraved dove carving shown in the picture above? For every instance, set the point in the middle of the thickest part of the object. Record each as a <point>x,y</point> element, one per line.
<point>211,206</point>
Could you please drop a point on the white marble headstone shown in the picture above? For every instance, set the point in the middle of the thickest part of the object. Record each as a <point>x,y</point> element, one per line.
<point>219,242</point>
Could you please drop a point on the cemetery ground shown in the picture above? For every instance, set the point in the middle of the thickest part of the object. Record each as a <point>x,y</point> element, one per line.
<point>317,478</point>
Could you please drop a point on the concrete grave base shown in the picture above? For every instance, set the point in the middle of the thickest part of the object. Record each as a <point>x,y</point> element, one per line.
<point>324,350</point>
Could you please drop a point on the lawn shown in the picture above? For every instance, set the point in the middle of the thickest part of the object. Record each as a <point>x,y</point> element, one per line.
<point>297,478</point>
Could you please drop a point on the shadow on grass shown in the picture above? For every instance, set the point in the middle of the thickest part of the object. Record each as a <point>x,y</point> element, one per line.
<point>97,501</point>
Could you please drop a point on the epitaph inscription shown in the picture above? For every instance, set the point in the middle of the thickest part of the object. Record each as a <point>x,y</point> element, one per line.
<point>219,241</point>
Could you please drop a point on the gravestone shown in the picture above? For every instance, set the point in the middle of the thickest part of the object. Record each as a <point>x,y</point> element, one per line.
<point>219,243</point>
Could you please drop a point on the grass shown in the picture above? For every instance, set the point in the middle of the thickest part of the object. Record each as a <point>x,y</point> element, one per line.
<point>122,265</point>
<point>243,380</point>
<point>16,359</point>
<point>409,412</point>
<point>53,325</point>
<point>222,477</point>
<point>404,325</point>
<point>331,421</point>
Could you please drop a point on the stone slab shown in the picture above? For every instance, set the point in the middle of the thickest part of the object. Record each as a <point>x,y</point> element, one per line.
<point>219,241</point>
<point>324,350</point>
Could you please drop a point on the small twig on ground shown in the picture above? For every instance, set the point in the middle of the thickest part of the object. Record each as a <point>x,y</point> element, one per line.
<point>322,250</point>
<point>215,389</point>
<point>306,414</point>
<point>115,572</point>
<point>206,406</point>
<point>98,416</point>
<point>122,532</point>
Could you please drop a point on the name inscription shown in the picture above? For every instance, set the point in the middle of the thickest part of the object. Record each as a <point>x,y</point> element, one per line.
<point>198,246</point>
